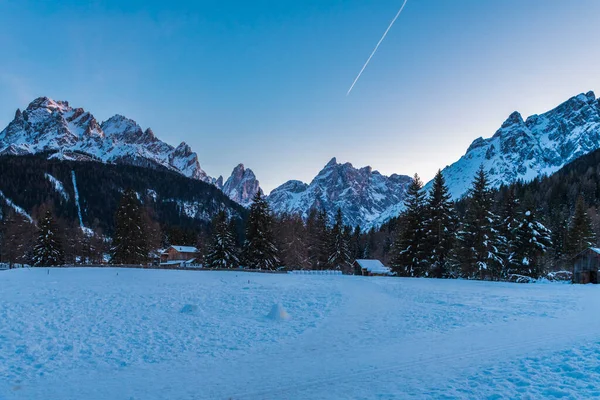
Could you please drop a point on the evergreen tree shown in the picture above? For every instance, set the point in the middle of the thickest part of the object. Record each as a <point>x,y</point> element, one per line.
<point>130,242</point>
<point>260,251</point>
<point>339,252</point>
<point>48,250</point>
<point>408,256</point>
<point>507,233</point>
<point>478,251</point>
<point>222,250</point>
<point>356,248</point>
<point>581,234</point>
<point>532,240</point>
<point>291,239</point>
<point>18,239</point>
<point>440,227</point>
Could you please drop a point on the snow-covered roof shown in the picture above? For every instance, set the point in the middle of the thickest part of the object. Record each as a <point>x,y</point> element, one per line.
<point>184,249</point>
<point>373,266</point>
<point>179,262</point>
<point>595,250</point>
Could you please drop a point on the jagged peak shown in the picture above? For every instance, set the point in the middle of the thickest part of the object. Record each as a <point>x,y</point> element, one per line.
<point>48,103</point>
<point>18,114</point>
<point>514,118</point>
<point>118,124</point>
<point>119,118</point>
<point>368,169</point>
<point>591,96</point>
<point>183,148</point>
<point>476,144</point>
<point>149,133</point>
<point>331,162</point>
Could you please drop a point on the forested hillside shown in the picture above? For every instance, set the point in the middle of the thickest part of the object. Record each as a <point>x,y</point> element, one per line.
<point>33,181</point>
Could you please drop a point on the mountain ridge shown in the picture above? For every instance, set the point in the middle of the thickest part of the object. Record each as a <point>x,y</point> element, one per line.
<point>75,134</point>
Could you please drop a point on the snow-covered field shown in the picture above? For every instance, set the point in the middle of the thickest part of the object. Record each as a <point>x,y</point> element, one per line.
<point>150,334</point>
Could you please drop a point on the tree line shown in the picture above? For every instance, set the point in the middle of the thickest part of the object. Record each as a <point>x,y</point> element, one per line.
<point>520,229</point>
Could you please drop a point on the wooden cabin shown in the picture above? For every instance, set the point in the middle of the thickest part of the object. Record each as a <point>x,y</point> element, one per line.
<point>178,253</point>
<point>370,268</point>
<point>586,265</point>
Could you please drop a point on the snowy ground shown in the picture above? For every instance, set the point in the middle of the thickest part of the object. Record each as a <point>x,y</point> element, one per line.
<point>150,334</point>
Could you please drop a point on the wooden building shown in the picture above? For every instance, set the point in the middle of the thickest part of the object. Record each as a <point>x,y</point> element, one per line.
<point>370,268</point>
<point>586,265</point>
<point>178,253</point>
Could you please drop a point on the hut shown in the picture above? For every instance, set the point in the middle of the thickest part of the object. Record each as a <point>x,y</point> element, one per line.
<point>175,254</point>
<point>586,265</point>
<point>370,268</point>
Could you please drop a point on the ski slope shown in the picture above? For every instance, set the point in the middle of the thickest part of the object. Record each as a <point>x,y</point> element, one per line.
<point>150,334</point>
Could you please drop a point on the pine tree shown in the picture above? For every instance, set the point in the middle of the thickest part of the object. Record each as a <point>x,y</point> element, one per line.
<point>478,251</point>
<point>339,252</point>
<point>18,239</point>
<point>532,240</point>
<point>130,243</point>
<point>356,248</point>
<point>408,257</point>
<point>260,251</point>
<point>222,250</point>
<point>581,234</point>
<point>440,227</point>
<point>48,250</point>
<point>507,233</point>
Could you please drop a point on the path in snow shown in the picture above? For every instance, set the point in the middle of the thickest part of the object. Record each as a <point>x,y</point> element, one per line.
<point>89,333</point>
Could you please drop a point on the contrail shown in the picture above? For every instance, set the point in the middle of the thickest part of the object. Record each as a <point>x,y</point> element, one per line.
<point>376,47</point>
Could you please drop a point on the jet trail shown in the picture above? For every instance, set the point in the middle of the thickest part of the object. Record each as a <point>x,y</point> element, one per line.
<point>376,47</point>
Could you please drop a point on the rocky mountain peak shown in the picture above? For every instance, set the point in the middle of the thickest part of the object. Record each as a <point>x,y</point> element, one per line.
<point>242,185</point>
<point>524,150</point>
<point>49,104</point>
<point>361,193</point>
<point>514,118</point>
<point>331,163</point>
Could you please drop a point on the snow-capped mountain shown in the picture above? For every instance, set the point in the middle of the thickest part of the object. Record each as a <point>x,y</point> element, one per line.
<point>241,186</point>
<point>74,134</point>
<point>525,149</point>
<point>48,125</point>
<point>362,194</point>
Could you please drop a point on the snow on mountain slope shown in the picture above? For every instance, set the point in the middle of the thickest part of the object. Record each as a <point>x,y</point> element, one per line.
<point>362,194</point>
<point>525,149</point>
<point>241,186</point>
<point>540,145</point>
<point>49,125</point>
<point>74,134</point>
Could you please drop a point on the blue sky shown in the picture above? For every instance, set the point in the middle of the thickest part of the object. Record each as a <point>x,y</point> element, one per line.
<point>264,82</point>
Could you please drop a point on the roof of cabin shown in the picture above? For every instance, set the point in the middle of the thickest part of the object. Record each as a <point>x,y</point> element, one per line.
<point>373,266</point>
<point>183,249</point>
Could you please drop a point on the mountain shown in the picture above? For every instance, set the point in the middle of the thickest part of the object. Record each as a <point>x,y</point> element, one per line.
<point>362,194</point>
<point>88,193</point>
<point>241,186</point>
<point>69,133</point>
<point>525,149</point>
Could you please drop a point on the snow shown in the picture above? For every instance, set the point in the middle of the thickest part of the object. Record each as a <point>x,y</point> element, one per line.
<point>154,334</point>
<point>184,249</point>
<point>58,186</point>
<point>76,192</point>
<point>15,207</point>
<point>278,313</point>
<point>373,266</point>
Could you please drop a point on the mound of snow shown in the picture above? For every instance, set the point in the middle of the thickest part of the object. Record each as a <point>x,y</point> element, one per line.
<point>278,313</point>
<point>189,309</point>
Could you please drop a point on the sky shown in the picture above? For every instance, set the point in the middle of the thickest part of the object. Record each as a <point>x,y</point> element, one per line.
<point>264,83</point>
